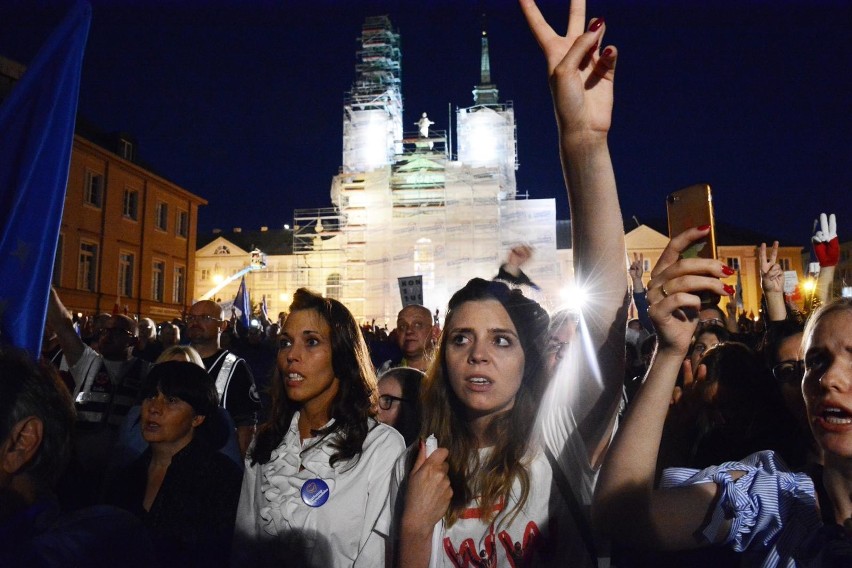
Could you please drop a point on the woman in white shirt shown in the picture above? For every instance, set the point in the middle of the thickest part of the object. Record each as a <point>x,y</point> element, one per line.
<point>317,477</point>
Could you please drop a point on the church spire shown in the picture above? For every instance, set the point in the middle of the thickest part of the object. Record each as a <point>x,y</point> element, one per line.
<point>485,93</point>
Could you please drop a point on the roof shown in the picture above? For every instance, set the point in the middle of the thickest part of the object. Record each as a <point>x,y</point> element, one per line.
<point>726,234</point>
<point>271,242</point>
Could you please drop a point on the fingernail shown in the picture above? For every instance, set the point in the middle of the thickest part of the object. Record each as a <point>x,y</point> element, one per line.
<point>729,290</point>
<point>596,25</point>
<point>607,52</point>
<point>727,270</point>
<point>704,228</point>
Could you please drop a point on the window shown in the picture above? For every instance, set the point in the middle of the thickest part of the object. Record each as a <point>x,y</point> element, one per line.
<point>158,277</point>
<point>125,149</point>
<point>205,273</point>
<point>93,190</point>
<point>131,204</point>
<point>182,224</point>
<point>332,286</point>
<point>162,216</point>
<point>646,265</point>
<point>126,262</point>
<point>222,249</point>
<point>733,262</point>
<point>87,271</point>
<point>784,263</point>
<point>57,262</point>
<point>179,285</point>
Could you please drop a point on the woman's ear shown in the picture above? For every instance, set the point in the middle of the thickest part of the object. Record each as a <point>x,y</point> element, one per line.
<point>22,444</point>
<point>197,420</point>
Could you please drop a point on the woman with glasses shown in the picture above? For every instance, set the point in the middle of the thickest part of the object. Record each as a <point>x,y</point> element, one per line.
<point>399,401</point>
<point>318,473</point>
<point>757,506</point>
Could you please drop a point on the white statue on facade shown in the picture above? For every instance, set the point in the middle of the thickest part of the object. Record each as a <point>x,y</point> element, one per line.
<point>423,124</point>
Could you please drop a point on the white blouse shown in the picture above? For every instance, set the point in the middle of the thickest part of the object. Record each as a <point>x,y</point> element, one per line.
<point>274,526</point>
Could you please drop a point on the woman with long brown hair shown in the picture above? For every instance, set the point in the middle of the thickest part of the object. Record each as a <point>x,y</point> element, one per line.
<point>512,479</point>
<point>318,475</point>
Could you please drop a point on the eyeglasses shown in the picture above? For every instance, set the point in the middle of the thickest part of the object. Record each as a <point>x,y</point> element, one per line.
<point>202,319</point>
<point>789,371</point>
<point>387,400</point>
<point>555,347</point>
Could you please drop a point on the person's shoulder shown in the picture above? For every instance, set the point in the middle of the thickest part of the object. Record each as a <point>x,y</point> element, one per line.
<point>384,437</point>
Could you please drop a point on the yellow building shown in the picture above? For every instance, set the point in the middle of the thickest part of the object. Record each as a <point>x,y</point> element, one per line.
<point>126,233</point>
<point>731,249</point>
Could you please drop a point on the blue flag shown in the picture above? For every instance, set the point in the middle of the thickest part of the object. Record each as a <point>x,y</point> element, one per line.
<point>242,306</point>
<point>264,309</point>
<point>36,135</point>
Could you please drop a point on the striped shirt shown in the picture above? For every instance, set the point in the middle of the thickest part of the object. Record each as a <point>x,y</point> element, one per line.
<point>774,516</point>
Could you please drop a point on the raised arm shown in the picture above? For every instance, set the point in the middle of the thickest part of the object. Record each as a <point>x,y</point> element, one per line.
<point>827,250</point>
<point>772,282</point>
<point>581,81</point>
<point>626,506</point>
<point>60,319</point>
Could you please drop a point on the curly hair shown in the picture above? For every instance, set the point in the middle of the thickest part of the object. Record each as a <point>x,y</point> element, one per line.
<point>490,479</point>
<point>355,401</point>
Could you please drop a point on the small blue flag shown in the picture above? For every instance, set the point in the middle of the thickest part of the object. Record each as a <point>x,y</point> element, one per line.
<point>36,136</point>
<point>242,306</point>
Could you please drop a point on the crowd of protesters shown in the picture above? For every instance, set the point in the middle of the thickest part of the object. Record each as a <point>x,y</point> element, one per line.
<point>510,436</point>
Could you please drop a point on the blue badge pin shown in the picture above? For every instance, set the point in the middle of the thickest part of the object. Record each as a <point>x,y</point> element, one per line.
<point>315,492</point>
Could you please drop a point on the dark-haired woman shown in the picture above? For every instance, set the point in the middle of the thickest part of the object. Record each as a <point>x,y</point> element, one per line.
<point>318,476</point>
<point>399,401</point>
<point>183,489</point>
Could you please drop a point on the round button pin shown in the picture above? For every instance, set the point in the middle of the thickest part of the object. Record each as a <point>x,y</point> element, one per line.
<point>315,492</point>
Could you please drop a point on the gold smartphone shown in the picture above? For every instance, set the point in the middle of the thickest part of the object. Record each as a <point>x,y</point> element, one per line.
<point>693,207</point>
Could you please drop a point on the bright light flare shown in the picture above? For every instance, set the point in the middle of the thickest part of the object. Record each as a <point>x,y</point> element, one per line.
<point>217,278</point>
<point>809,285</point>
<point>573,298</point>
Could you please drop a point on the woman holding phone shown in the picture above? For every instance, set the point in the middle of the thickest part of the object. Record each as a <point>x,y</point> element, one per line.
<point>756,506</point>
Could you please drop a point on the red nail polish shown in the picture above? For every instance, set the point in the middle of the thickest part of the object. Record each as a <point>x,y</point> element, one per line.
<point>727,270</point>
<point>704,228</point>
<point>729,290</point>
<point>607,52</point>
<point>596,25</point>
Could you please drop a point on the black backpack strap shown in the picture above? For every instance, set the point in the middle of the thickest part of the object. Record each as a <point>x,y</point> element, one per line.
<point>573,505</point>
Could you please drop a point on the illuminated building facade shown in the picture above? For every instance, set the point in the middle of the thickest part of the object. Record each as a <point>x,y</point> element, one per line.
<point>404,205</point>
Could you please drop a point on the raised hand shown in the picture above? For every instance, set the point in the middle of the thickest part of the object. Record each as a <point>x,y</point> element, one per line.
<point>771,275</point>
<point>826,243</point>
<point>519,255</point>
<point>636,270</point>
<point>581,79</point>
<point>673,290</point>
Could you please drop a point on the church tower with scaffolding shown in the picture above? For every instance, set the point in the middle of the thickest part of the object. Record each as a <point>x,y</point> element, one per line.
<point>402,206</point>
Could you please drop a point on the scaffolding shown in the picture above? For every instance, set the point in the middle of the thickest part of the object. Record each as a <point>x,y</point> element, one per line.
<point>372,109</point>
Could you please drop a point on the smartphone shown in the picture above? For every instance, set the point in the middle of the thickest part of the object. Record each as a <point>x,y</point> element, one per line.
<point>693,207</point>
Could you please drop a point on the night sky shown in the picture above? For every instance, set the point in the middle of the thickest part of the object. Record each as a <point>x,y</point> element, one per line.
<point>241,102</point>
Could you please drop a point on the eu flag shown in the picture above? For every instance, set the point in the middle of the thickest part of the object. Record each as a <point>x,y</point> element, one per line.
<point>36,135</point>
<point>242,304</point>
